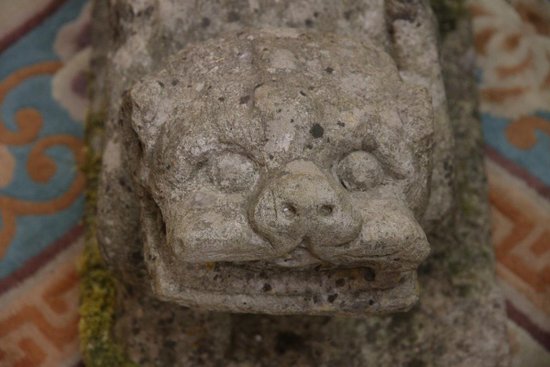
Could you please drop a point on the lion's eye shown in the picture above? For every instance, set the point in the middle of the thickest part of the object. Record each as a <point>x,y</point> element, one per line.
<point>360,171</point>
<point>233,172</point>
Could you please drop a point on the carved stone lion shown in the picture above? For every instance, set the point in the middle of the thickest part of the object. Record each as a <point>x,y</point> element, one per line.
<point>276,171</point>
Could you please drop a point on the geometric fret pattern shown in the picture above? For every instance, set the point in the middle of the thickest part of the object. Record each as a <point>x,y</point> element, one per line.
<point>512,42</point>
<point>521,236</point>
<point>39,320</point>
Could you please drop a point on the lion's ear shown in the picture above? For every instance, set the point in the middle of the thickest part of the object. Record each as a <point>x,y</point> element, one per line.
<point>144,110</point>
<point>431,138</point>
<point>416,113</point>
<point>430,133</point>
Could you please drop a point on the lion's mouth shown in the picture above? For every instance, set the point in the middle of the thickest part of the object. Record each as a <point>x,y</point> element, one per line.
<point>307,255</point>
<point>299,257</point>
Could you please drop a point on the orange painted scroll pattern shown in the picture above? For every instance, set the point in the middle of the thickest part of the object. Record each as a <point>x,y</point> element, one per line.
<point>40,167</point>
<point>522,131</point>
<point>513,50</point>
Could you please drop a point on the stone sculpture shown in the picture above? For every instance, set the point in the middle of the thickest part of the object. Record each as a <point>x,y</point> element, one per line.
<point>300,157</point>
<point>290,158</point>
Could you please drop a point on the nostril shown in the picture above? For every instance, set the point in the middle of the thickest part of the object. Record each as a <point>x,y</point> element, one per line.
<point>289,210</point>
<point>326,210</point>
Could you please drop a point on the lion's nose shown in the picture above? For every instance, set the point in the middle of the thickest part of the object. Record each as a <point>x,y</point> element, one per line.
<point>304,205</point>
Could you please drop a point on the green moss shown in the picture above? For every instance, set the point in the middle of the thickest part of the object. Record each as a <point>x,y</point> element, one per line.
<point>448,12</point>
<point>98,300</point>
<point>97,287</point>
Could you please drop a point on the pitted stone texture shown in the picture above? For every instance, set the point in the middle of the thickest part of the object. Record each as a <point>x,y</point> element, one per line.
<point>145,33</point>
<point>240,142</point>
<point>460,318</point>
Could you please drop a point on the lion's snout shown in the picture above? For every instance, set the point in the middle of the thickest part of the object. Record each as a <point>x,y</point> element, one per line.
<point>303,205</point>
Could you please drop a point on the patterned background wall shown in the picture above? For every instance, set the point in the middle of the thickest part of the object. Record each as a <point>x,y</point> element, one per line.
<point>44,52</point>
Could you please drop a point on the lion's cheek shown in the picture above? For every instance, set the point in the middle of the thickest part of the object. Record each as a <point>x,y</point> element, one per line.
<point>220,232</point>
<point>391,240</point>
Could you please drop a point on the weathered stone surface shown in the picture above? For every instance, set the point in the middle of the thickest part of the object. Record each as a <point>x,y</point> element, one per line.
<point>285,158</point>
<point>459,320</point>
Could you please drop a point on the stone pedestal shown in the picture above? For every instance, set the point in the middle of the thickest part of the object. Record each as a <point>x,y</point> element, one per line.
<point>459,320</point>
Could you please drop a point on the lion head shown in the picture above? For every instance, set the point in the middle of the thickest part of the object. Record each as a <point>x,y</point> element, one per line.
<point>283,153</point>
